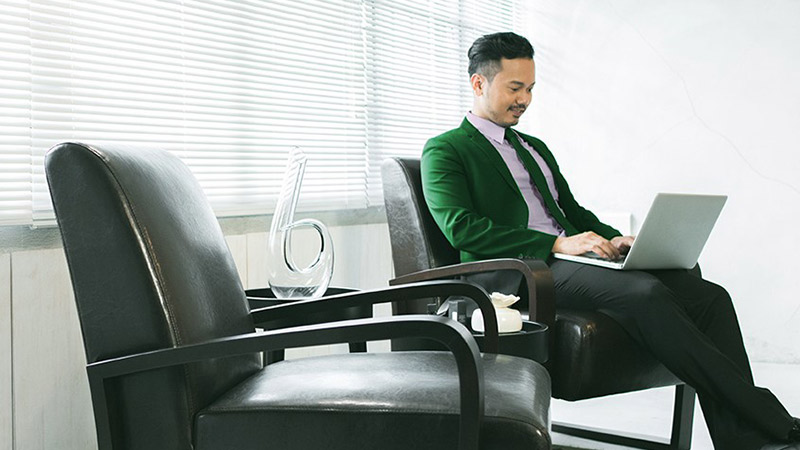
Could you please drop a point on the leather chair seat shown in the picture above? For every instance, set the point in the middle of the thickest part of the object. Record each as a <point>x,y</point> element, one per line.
<point>378,397</point>
<point>608,361</point>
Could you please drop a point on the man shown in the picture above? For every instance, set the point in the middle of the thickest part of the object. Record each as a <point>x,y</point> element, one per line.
<point>496,192</point>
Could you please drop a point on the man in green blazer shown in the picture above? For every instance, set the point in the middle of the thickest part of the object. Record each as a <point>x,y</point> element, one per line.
<point>496,192</point>
<point>492,222</point>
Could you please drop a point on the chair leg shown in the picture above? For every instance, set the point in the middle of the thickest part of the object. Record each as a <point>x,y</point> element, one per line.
<point>273,356</point>
<point>682,417</point>
<point>358,347</point>
<point>680,438</point>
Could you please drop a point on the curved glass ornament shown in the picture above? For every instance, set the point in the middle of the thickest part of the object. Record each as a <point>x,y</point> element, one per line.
<point>286,279</point>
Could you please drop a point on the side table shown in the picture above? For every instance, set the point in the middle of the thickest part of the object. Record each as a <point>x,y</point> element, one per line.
<point>531,342</point>
<point>263,297</point>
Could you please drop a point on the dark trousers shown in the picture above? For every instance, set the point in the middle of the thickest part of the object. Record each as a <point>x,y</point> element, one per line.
<point>689,325</point>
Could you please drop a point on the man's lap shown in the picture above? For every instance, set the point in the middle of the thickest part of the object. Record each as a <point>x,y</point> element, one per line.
<point>617,293</point>
<point>583,286</point>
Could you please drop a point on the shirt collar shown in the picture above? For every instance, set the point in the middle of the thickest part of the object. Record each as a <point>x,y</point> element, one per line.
<point>487,128</point>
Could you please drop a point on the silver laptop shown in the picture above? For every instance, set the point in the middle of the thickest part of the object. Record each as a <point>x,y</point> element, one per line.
<point>672,235</point>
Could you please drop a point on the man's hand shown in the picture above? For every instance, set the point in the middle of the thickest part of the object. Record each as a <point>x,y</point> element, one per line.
<point>622,243</point>
<point>587,242</point>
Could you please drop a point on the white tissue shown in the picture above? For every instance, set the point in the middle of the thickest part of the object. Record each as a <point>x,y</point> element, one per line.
<point>508,320</point>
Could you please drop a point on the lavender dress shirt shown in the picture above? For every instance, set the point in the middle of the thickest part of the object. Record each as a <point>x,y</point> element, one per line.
<point>539,218</point>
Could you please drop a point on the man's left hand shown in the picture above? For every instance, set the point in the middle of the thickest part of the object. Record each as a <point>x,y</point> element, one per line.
<point>622,243</point>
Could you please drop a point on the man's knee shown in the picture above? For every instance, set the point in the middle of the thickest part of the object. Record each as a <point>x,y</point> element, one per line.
<point>720,292</point>
<point>721,299</point>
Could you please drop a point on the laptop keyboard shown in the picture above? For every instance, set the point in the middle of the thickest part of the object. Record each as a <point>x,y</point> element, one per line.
<point>594,255</point>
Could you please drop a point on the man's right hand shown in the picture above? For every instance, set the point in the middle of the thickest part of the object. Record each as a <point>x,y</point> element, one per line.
<point>586,242</point>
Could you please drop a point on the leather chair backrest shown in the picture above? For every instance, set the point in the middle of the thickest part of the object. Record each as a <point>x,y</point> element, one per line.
<point>150,269</point>
<point>417,242</point>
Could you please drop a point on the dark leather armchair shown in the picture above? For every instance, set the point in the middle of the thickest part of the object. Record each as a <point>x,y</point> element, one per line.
<point>174,358</point>
<point>591,355</point>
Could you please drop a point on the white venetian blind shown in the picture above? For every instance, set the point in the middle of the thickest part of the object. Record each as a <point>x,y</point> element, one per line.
<point>231,85</point>
<point>418,86</point>
<point>15,97</point>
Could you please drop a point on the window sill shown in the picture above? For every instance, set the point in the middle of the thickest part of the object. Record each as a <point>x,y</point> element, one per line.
<point>15,238</point>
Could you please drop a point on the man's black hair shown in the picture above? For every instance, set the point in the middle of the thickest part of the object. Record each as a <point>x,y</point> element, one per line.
<point>487,51</point>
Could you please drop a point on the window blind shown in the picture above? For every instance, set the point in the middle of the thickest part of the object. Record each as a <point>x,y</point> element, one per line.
<point>417,77</point>
<point>230,86</point>
<point>15,96</point>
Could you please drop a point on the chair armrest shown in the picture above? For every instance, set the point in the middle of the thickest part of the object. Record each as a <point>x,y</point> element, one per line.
<point>539,278</point>
<point>454,336</point>
<point>406,292</point>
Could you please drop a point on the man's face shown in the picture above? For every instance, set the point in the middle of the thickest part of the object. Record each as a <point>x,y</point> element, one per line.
<point>504,99</point>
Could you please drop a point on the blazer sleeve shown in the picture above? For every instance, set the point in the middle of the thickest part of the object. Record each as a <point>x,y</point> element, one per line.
<point>448,193</point>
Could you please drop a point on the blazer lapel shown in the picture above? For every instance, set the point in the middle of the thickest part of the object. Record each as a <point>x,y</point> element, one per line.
<point>490,153</point>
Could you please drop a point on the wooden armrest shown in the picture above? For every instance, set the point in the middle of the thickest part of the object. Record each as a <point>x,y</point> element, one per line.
<point>454,336</point>
<point>539,279</point>
<point>311,309</point>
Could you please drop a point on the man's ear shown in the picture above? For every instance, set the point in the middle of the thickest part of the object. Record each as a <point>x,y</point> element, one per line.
<point>478,83</point>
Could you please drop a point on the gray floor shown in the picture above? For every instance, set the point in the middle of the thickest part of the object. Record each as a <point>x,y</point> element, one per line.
<point>649,412</point>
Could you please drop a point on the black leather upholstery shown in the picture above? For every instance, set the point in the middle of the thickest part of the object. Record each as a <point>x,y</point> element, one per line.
<point>150,269</point>
<point>417,243</point>
<point>153,277</point>
<point>341,397</point>
<point>591,356</point>
<point>595,357</point>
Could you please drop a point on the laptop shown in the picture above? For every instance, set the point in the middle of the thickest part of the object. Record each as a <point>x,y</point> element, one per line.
<point>672,236</point>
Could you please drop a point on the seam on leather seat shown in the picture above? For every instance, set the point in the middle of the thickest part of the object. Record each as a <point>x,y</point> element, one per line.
<point>152,265</point>
<point>354,411</point>
<point>542,431</point>
<point>138,231</point>
<point>313,409</point>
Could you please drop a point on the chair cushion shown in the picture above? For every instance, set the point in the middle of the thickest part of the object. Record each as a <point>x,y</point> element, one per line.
<point>595,356</point>
<point>377,400</point>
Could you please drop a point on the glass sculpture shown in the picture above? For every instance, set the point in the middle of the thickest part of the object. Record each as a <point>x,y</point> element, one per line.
<point>286,279</point>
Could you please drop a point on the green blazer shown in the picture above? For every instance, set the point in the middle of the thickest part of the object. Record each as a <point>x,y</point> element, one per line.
<point>477,204</point>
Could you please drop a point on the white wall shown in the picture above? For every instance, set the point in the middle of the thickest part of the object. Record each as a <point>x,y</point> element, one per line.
<point>5,352</point>
<point>44,393</point>
<point>636,97</point>
<point>52,408</point>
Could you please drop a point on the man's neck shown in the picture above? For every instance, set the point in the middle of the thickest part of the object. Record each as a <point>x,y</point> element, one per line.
<point>484,116</point>
<point>486,127</point>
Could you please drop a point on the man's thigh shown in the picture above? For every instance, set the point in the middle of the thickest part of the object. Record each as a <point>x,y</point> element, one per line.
<point>635,299</point>
<point>582,286</point>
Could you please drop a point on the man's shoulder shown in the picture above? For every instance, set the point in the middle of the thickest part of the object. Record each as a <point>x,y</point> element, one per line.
<point>447,146</point>
<point>453,136</point>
